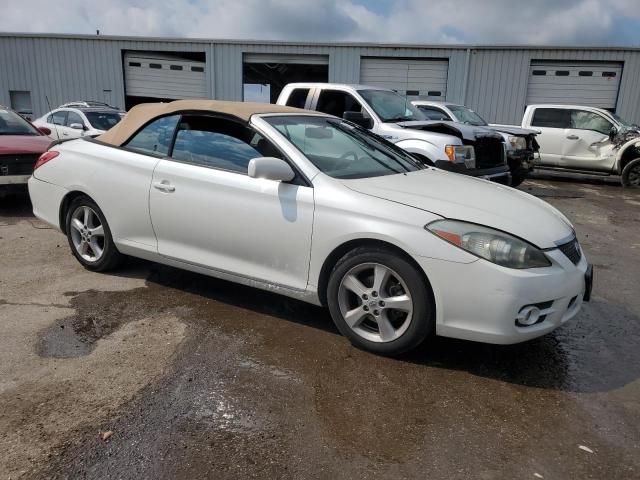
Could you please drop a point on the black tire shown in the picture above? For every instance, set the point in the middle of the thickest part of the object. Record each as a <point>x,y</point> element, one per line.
<point>422,323</point>
<point>517,179</point>
<point>631,174</point>
<point>110,257</point>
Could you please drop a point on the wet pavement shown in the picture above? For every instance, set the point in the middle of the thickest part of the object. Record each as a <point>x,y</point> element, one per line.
<point>200,378</point>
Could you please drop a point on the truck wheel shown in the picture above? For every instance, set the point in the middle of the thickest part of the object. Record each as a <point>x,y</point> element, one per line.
<point>517,179</point>
<point>380,302</point>
<point>631,174</point>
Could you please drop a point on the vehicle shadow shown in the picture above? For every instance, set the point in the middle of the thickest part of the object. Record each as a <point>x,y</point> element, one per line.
<point>595,352</point>
<point>17,205</point>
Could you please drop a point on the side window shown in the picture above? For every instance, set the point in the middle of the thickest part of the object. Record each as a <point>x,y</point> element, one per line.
<point>59,118</point>
<point>335,102</point>
<point>590,121</point>
<point>433,113</point>
<point>50,119</point>
<point>552,118</point>
<point>73,117</point>
<point>156,137</point>
<point>298,97</point>
<point>220,143</point>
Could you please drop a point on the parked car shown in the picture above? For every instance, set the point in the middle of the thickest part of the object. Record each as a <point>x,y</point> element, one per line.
<point>521,143</point>
<point>79,119</point>
<point>588,140</point>
<point>449,146</point>
<point>21,144</point>
<point>316,208</point>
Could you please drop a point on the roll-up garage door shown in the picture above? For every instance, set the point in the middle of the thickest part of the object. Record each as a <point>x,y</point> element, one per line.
<point>574,83</point>
<point>163,76</point>
<point>413,78</point>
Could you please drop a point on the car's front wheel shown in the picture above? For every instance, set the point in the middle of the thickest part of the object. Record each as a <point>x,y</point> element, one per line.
<point>89,236</point>
<point>631,174</point>
<point>380,301</point>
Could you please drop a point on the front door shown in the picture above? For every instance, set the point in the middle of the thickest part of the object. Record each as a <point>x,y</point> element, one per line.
<point>586,143</point>
<point>207,211</point>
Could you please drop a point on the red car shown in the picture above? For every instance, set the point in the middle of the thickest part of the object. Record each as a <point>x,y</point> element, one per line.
<point>21,144</point>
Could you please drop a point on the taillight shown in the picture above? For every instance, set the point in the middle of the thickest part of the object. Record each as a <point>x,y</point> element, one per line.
<point>45,157</point>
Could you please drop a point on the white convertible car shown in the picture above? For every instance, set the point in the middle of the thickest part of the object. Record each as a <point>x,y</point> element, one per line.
<point>316,208</point>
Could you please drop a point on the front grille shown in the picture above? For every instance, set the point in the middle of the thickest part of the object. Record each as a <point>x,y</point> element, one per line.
<point>17,164</point>
<point>572,250</point>
<point>489,152</point>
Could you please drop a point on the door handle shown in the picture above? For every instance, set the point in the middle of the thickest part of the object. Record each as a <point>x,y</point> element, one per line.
<point>573,137</point>
<point>164,186</point>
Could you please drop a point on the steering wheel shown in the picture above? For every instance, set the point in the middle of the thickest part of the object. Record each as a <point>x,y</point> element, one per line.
<point>349,153</point>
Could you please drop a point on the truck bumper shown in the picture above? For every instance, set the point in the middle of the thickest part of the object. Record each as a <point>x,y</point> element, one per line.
<point>498,174</point>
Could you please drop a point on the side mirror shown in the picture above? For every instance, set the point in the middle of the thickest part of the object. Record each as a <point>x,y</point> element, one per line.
<point>77,126</point>
<point>44,130</point>
<point>612,133</point>
<point>359,119</point>
<point>271,168</point>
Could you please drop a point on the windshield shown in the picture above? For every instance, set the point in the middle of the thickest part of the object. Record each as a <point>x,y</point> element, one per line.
<point>390,106</point>
<point>342,150</point>
<point>466,115</point>
<point>103,120</point>
<point>13,124</point>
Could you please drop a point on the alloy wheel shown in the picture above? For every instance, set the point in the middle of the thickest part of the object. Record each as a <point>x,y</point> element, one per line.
<point>634,176</point>
<point>375,302</point>
<point>87,233</point>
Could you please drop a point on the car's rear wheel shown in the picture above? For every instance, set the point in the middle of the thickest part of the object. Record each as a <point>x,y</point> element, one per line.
<point>89,236</point>
<point>380,301</point>
<point>631,174</point>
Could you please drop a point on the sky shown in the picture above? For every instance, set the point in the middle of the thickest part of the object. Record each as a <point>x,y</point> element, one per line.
<point>532,22</point>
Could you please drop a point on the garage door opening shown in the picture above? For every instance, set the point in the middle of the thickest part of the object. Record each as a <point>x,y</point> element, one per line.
<point>264,76</point>
<point>163,76</point>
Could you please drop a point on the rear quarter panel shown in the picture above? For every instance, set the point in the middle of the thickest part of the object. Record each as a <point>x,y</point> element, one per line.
<point>116,179</point>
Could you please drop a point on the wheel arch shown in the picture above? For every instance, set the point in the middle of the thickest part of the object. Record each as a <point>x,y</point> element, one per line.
<point>64,206</point>
<point>628,153</point>
<point>341,250</point>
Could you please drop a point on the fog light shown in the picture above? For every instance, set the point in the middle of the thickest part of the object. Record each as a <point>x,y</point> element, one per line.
<point>528,316</point>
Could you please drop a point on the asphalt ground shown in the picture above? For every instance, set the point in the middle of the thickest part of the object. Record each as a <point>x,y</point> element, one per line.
<point>153,372</point>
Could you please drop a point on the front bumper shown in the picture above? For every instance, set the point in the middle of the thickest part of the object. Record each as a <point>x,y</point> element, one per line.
<point>14,179</point>
<point>480,301</point>
<point>499,173</point>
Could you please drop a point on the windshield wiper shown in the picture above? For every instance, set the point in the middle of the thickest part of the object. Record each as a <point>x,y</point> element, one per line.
<point>399,119</point>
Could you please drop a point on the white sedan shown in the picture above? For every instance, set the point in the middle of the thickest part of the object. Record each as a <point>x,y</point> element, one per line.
<point>314,207</point>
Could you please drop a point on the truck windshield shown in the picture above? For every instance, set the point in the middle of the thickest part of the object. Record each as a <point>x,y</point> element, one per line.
<point>13,124</point>
<point>390,106</point>
<point>466,115</point>
<point>342,150</point>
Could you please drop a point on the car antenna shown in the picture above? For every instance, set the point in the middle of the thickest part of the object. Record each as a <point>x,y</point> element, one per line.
<point>54,123</point>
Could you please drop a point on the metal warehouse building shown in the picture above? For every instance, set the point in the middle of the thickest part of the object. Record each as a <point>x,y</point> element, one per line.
<point>498,82</point>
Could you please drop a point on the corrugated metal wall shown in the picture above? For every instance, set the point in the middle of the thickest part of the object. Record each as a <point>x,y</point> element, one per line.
<point>75,67</point>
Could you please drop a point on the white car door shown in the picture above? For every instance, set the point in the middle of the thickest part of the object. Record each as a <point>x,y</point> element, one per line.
<point>554,124</point>
<point>586,144</point>
<point>72,122</point>
<point>56,123</point>
<point>207,211</point>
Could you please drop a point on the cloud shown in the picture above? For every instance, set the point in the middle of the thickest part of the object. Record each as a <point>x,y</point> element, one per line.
<point>570,22</point>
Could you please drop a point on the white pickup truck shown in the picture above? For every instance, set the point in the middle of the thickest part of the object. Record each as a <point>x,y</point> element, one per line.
<point>588,140</point>
<point>451,146</point>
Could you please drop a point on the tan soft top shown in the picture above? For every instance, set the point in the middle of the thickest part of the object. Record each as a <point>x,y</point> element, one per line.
<point>145,112</point>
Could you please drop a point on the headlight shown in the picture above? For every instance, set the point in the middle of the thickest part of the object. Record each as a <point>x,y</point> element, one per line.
<point>493,245</point>
<point>518,143</point>
<point>461,154</point>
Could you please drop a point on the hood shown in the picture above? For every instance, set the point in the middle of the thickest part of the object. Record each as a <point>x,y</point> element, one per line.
<point>460,130</point>
<point>523,132</point>
<point>471,199</point>
<point>24,144</point>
